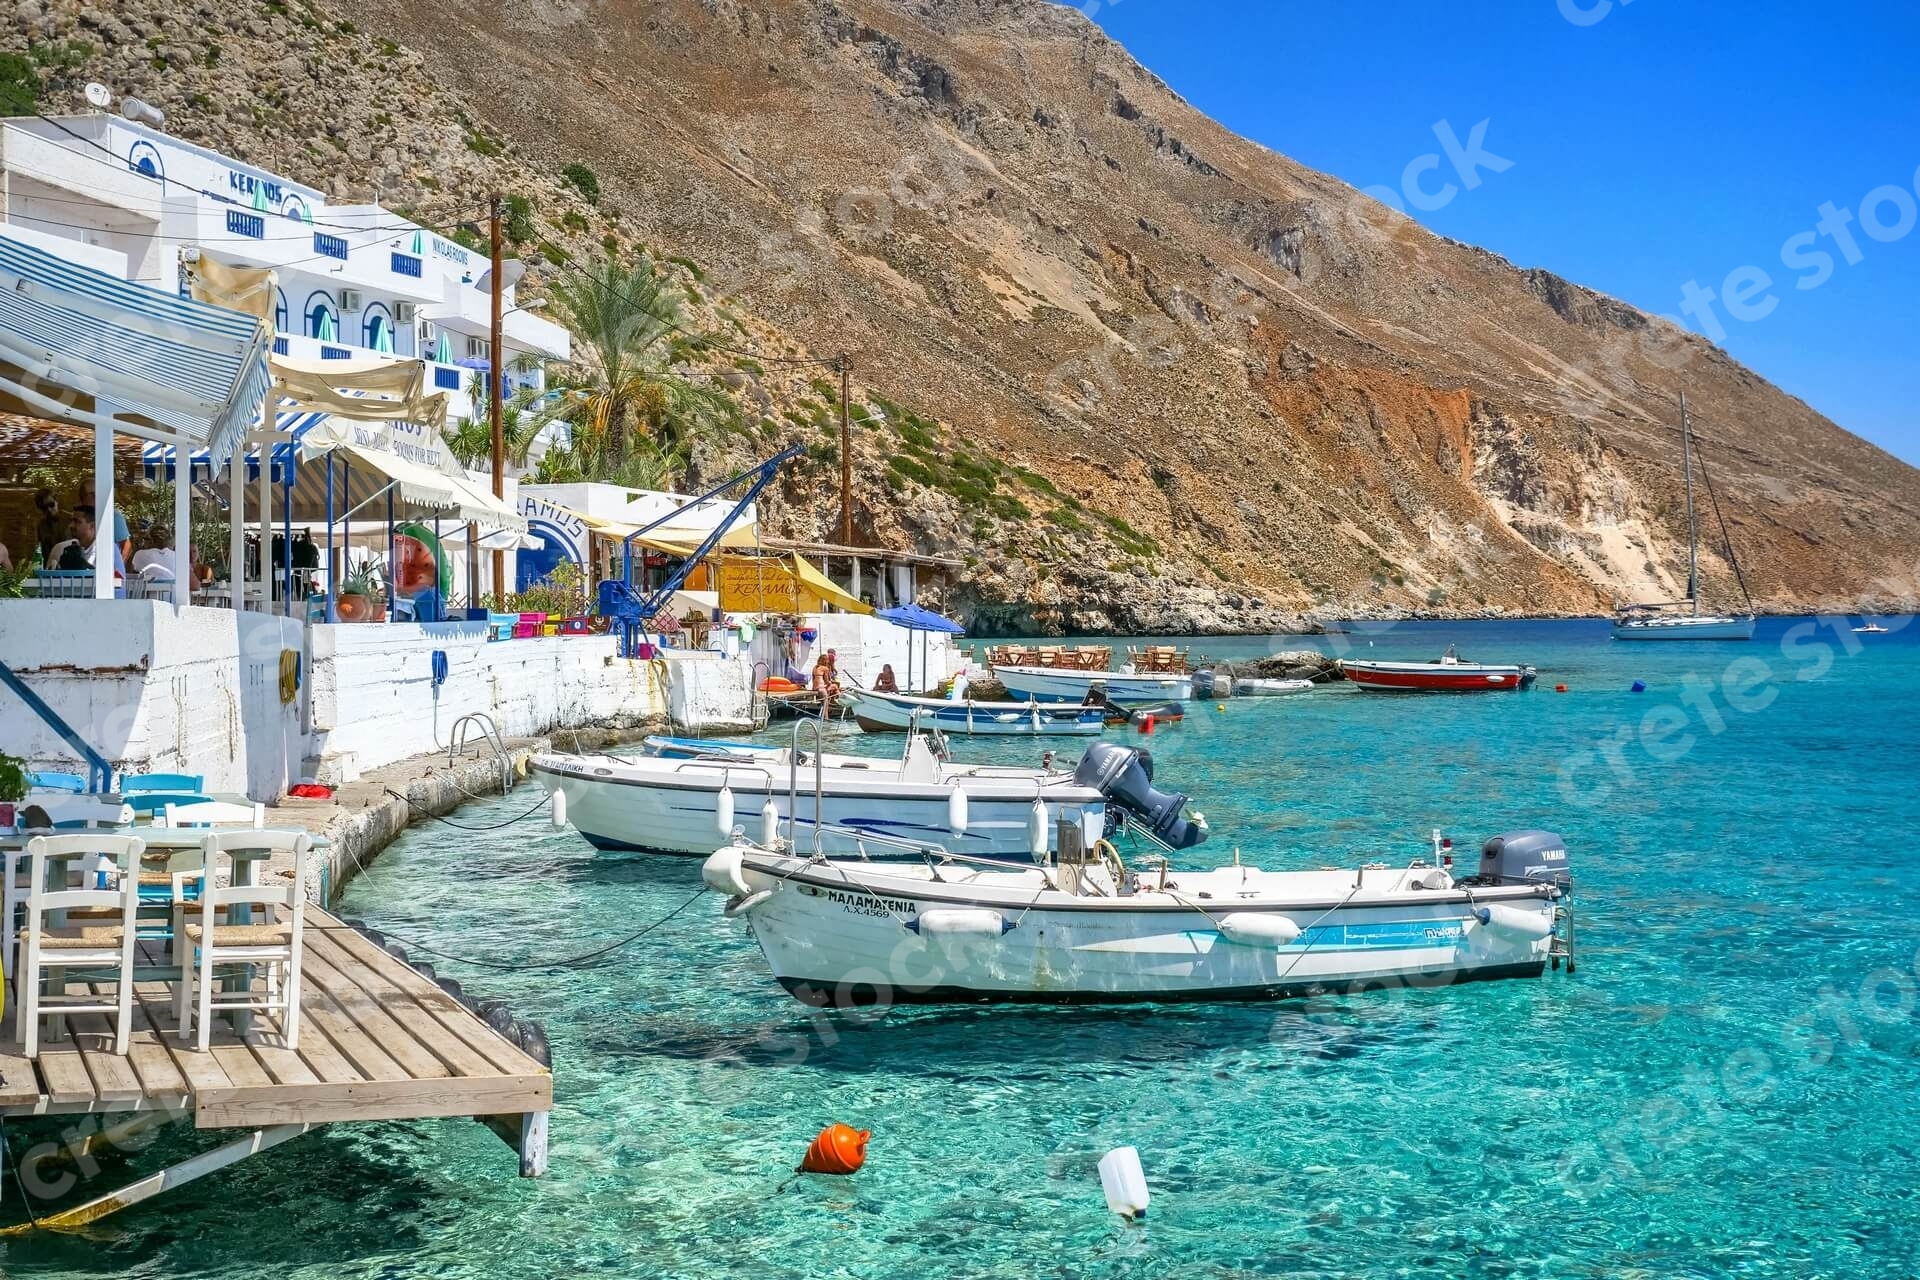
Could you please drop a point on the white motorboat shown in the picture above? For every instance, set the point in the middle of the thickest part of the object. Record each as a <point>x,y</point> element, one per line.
<point>1253,687</point>
<point>683,804</point>
<point>1665,622</point>
<point>898,712</point>
<point>1091,929</point>
<point>1061,684</point>
<point>1871,629</point>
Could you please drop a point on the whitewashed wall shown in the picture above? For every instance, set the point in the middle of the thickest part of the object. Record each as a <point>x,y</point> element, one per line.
<point>155,690</point>
<point>863,644</point>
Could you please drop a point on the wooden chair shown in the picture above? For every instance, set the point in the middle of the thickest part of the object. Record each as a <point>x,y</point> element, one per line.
<point>65,812</point>
<point>219,939</point>
<point>142,783</point>
<point>213,813</point>
<point>105,942</point>
<point>500,625</point>
<point>46,780</point>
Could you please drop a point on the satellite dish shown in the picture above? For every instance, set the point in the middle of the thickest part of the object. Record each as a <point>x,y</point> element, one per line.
<point>99,96</point>
<point>510,272</point>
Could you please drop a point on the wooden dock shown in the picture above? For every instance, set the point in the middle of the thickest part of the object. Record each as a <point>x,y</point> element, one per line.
<point>378,1041</point>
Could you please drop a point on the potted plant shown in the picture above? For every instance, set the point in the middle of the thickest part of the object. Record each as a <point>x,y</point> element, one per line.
<point>13,788</point>
<point>363,596</point>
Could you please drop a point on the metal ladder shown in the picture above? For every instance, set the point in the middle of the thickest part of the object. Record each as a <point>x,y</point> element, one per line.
<point>489,732</point>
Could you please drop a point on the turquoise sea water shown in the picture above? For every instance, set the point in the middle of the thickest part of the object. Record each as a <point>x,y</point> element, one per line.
<point>1725,1088</point>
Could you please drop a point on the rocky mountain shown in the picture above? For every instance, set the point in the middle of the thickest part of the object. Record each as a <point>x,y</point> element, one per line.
<point>1138,372</point>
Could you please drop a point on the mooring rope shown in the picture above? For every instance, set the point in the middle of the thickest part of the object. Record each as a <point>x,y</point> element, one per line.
<point>539,804</point>
<point>571,962</point>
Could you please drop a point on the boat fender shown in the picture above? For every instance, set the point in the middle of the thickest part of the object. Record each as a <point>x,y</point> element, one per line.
<point>449,985</point>
<point>723,811</point>
<point>1258,929</point>
<point>737,907</point>
<point>395,950</point>
<point>1511,922</point>
<point>559,809</point>
<point>1037,827</point>
<point>769,824</point>
<point>425,970</point>
<point>957,811</point>
<point>531,1037</point>
<point>1124,1182</point>
<point>960,923</point>
<point>495,1014</point>
<point>722,873</point>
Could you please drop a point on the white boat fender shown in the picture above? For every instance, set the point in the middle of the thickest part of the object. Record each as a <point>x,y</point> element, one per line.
<point>960,923</point>
<point>957,811</point>
<point>1512,922</point>
<point>723,811</point>
<point>560,809</point>
<point>1258,929</point>
<point>1124,1182</point>
<point>737,907</point>
<point>769,824</point>
<point>1037,829</point>
<point>722,873</point>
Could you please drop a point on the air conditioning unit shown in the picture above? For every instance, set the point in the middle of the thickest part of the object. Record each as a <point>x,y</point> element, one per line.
<point>350,300</point>
<point>405,312</point>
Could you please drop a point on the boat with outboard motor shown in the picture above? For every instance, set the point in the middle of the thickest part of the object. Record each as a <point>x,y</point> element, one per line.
<point>1449,673</point>
<point>1061,684</point>
<point>1090,928</point>
<point>1255,687</point>
<point>680,802</point>
<point>878,712</point>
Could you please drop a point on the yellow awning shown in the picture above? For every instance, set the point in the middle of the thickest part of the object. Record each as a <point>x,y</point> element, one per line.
<point>823,586</point>
<point>674,540</point>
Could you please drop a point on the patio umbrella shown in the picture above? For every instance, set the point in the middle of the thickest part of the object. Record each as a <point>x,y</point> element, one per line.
<point>324,330</point>
<point>443,350</point>
<point>926,622</point>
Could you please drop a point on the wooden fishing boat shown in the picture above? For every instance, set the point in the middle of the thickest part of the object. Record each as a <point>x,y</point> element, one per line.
<point>1449,673</point>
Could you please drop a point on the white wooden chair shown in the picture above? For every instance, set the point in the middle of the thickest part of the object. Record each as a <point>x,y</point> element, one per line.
<point>214,813</point>
<point>271,943</point>
<point>65,812</point>
<point>104,941</point>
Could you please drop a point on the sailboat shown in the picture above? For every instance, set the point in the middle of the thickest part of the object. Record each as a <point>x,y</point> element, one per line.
<point>1663,621</point>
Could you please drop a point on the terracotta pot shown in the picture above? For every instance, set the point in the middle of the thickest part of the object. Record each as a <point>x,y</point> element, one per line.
<point>354,608</point>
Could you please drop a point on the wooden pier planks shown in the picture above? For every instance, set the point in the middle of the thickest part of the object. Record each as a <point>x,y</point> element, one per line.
<point>378,1042</point>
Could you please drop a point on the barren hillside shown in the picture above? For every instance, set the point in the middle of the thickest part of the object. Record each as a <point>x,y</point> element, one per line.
<point>1184,381</point>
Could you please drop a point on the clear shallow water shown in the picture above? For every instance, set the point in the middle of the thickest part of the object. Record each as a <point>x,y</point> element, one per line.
<point>1710,1095</point>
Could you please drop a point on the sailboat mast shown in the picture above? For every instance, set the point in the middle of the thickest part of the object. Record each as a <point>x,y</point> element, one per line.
<point>1693,524</point>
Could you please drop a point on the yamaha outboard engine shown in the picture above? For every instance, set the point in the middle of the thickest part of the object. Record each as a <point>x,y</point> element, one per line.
<point>1524,857</point>
<point>1124,775</point>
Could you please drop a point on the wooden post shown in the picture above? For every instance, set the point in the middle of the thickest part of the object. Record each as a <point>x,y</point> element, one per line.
<point>496,371</point>
<point>846,453</point>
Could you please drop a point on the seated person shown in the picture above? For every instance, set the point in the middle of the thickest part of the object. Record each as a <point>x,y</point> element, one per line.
<point>156,554</point>
<point>77,553</point>
<point>885,682</point>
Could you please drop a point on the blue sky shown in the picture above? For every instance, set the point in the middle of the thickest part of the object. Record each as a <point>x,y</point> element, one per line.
<point>1653,143</point>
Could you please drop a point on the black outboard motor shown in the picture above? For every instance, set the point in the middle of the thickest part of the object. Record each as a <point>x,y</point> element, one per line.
<point>1524,857</point>
<point>1124,775</point>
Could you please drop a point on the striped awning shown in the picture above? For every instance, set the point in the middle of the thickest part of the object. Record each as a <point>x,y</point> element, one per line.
<point>157,460</point>
<point>79,341</point>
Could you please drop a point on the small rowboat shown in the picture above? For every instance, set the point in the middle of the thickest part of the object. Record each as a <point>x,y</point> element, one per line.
<point>1449,673</point>
<point>878,712</point>
<point>1256,688</point>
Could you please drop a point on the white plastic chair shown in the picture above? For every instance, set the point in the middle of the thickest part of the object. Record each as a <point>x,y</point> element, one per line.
<point>214,813</point>
<point>274,944</point>
<point>104,941</point>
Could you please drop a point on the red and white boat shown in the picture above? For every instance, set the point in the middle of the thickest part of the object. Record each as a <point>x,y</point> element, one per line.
<point>1449,673</point>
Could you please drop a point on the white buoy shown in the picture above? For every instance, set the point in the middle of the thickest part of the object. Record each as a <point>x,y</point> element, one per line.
<point>724,811</point>
<point>960,923</point>
<point>769,824</point>
<point>957,811</point>
<point>1124,1182</point>
<point>559,808</point>
<point>1037,829</point>
<point>1258,929</point>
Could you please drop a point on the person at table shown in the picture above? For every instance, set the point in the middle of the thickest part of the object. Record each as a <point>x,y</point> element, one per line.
<point>77,553</point>
<point>122,536</point>
<point>52,529</point>
<point>156,554</point>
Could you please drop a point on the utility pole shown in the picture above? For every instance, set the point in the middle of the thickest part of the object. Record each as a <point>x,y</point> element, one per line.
<point>846,453</point>
<point>495,378</point>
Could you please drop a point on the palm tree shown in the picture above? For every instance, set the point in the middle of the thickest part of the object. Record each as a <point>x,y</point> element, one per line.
<point>472,441</point>
<point>631,415</point>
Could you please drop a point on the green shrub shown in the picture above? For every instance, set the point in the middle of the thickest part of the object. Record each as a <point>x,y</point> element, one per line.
<point>583,180</point>
<point>573,220</point>
<point>519,226</point>
<point>480,144</point>
<point>19,86</point>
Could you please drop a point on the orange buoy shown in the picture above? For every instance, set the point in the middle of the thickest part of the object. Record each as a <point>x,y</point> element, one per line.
<point>1559,688</point>
<point>1146,724</point>
<point>840,1149</point>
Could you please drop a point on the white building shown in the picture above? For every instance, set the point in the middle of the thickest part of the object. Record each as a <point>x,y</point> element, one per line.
<point>353,278</point>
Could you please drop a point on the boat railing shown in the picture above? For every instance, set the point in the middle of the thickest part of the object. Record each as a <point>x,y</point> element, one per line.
<point>819,784</point>
<point>727,764</point>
